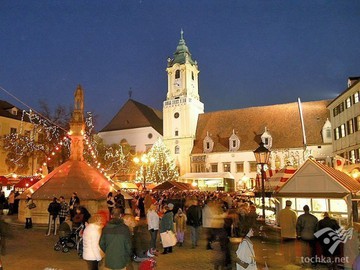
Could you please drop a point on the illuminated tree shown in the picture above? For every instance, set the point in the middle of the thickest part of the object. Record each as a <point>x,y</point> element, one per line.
<point>163,167</point>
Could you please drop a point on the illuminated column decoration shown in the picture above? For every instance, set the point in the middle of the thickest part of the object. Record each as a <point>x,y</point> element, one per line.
<point>77,126</point>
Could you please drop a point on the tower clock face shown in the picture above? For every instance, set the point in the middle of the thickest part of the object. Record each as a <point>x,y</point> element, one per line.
<point>177,83</point>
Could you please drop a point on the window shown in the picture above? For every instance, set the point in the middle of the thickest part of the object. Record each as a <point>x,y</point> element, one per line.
<point>336,111</point>
<point>177,74</point>
<point>357,123</point>
<point>253,166</point>
<point>177,149</point>
<point>176,115</point>
<point>348,102</point>
<point>208,144</point>
<point>342,131</point>
<point>352,156</point>
<point>240,167</point>
<point>214,167</point>
<point>176,133</point>
<point>234,142</point>
<point>356,97</point>
<point>13,130</point>
<point>341,107</point>
<point>328,133</point>
<point>226,167</point>
<point>192,75</point>
<point>27,133</point>
<point>150,135</point>
<point>350,126</point>
<point>336,133</point>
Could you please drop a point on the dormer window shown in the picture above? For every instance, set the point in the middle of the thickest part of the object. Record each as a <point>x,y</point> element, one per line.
<point>326,132</point>
<point>177,74</point>
<point>266,138</point>
<point>13,111</point>
<point>234,142</point>
<point>208,144</point>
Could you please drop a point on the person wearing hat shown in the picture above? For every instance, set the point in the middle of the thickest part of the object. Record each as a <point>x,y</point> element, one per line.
<point>167,224</point>
<point>287,220</point>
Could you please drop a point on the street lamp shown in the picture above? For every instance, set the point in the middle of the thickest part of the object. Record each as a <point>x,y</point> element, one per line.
<point>262,155</point>
<point>144,161</point>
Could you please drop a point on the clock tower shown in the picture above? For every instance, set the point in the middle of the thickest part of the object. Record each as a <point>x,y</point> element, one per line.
<point>182,105</point>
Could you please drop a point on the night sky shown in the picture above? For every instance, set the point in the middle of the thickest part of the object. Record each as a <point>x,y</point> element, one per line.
<point>250,53</point>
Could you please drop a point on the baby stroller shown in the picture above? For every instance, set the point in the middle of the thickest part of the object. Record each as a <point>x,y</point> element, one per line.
<point>68,240</point>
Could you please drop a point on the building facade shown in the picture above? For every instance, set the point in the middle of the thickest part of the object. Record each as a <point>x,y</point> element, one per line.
<point>13,121</point>
<point>345,120</point>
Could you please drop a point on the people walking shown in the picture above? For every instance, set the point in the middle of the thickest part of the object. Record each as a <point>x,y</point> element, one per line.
<point>153,222</point>
<point>245,255</point>
<point>11,200</point>
<point>194,220</point>
<point>305,228</point>
<point>287,219</point>
<point>53,209</point>
<point>91,237</point>
<point>180,226</point>
<point>28,210</point>
<point>115,242</point>
<point>167,224</point>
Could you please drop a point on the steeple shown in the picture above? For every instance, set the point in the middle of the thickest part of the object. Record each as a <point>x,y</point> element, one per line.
<point>182,54</point>
<point>77,126</point>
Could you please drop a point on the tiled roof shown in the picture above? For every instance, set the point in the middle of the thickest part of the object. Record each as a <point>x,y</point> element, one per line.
<point>5,106</point>
<point>72,176</point>
<point>173,185</point>
<point>342,178</point>
<point>282,122</point>
<point>135,115</point>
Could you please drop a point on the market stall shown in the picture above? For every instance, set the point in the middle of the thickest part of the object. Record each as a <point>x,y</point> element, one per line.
<point>323,189</point>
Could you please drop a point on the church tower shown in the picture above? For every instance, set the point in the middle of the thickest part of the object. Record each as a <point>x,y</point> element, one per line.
<point>182,105</point>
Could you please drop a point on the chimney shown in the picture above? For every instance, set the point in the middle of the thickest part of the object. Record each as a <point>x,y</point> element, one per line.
<point>352,80</point>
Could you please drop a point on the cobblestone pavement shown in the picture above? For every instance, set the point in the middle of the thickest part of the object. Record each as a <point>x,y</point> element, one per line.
<point>32,250</point>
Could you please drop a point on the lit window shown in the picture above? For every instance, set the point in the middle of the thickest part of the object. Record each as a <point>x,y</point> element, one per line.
<point>352,156</point>
<point>336,133</point>
<point>357,123</point>
<point>226,167</point>
<point>356,97</point>
<point>350,126</point>
<point>343,133</point>
<point>348,102</point>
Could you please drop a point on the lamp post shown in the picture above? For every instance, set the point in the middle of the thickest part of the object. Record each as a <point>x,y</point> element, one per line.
<point>144,161</point>
<point>262,155</point>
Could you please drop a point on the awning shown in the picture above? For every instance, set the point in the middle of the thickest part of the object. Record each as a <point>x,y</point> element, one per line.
<point>280,178</point>
<point>311,195</point>
<point>212,175</point>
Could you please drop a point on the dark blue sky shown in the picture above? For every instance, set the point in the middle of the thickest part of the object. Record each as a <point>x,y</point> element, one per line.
<point>250,53</point>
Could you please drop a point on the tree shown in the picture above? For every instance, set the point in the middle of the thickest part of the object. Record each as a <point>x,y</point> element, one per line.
<point>163,167</point>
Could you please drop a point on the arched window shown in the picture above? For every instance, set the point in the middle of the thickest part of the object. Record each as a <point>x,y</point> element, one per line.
<point>177,74</point>
<point>234,142</point>
<point>177,149</point>
<point>208,144</point>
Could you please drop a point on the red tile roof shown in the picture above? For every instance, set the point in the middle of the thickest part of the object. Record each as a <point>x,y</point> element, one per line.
<point>282,122</point>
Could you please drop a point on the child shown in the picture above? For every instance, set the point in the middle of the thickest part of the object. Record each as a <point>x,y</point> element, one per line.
<point>180,221</point>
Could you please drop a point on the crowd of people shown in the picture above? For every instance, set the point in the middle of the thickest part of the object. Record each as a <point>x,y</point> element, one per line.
<point>158,215</point>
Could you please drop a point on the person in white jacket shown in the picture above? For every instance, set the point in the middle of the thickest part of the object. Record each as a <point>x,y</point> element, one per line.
<point>153,225</point>
<point>92,253</point>
<point>245,255</point>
